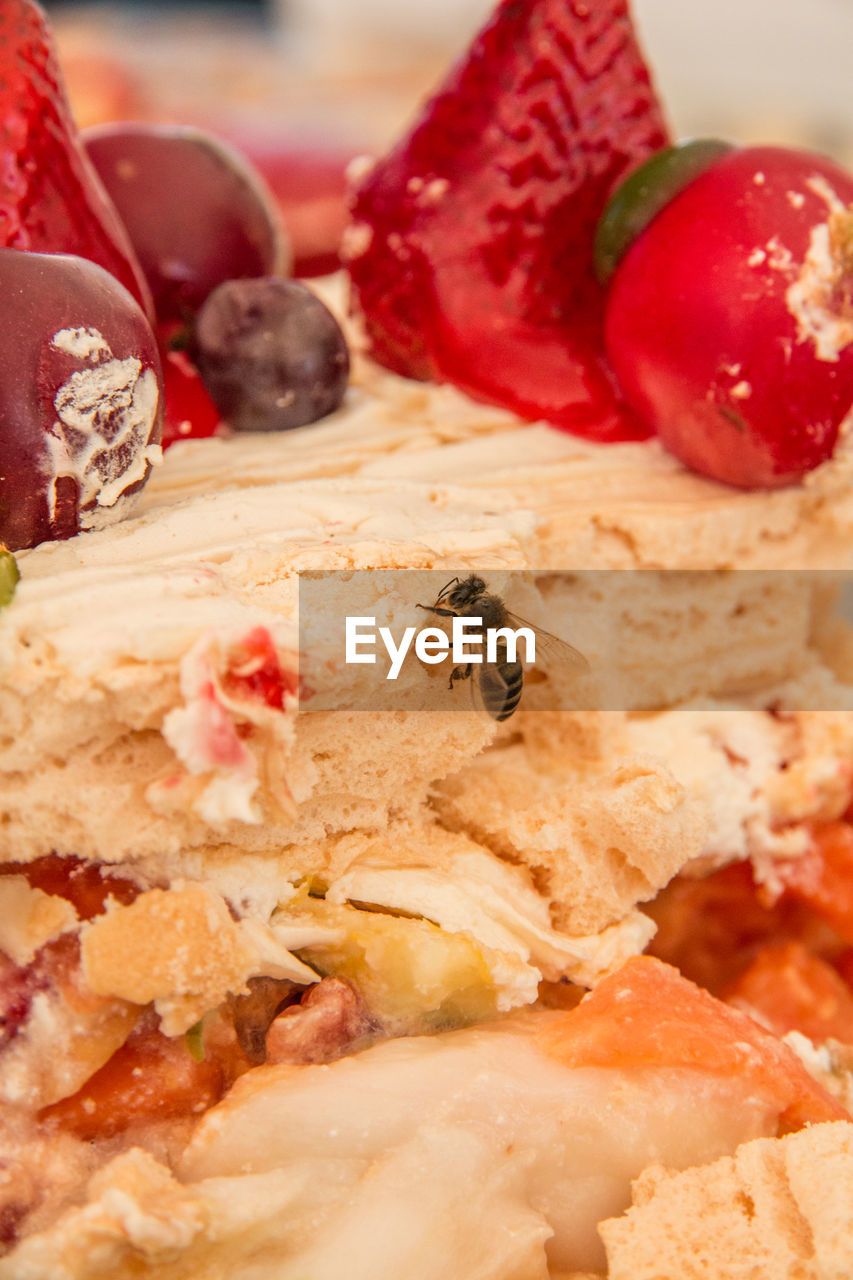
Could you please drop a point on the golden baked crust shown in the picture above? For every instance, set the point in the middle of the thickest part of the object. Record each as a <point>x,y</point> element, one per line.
<point>605,808</point>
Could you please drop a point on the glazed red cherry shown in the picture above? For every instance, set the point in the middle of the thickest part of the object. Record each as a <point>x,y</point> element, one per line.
<point>729,320</point>
<point>80,397</point>
<point>196,212</point>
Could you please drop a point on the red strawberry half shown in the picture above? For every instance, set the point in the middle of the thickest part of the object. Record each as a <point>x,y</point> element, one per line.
<point>470,250</point>
<point>51,199</point>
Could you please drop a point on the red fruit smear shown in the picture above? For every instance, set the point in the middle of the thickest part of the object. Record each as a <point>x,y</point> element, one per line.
<point>256,672</point>
<point>51,200</point>
<point>786,988</point>
<point>471,246</point>
<point>18,985</point>
<point>86,885</point>
<point>12,1213</point>
<point>190,414</point>
<point>55,965</point>
<point>647,1015</point>
<point>151,1077</point>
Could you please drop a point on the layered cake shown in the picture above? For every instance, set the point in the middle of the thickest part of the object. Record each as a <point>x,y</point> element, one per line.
<point>296,984</point>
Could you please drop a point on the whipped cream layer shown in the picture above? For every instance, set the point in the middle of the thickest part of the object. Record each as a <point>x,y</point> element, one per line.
<point>124,660</point>
<point>224,556</point>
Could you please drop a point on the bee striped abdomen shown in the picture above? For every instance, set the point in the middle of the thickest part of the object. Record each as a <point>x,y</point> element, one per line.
<point>501,686</point>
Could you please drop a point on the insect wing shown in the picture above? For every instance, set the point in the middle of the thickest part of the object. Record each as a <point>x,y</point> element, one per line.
<point>552,654</point>
<point>467,694</point>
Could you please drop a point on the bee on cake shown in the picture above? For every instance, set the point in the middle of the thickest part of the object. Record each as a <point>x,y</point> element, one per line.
<point>499,679</point>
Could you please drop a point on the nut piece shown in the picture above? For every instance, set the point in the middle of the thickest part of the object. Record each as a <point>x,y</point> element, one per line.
<point>330,1018</point>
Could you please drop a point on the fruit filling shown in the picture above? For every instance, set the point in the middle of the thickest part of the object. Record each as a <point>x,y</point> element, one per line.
<point>784,955</point>
<point>141,1054</point>
<point>646,1038</point>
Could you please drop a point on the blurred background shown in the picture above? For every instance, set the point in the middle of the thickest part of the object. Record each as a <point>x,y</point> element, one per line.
<point>303,85</point>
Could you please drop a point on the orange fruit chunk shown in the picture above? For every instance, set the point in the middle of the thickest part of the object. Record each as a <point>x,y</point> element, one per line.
<point>151,1077</point>
<point>823,878</point>
<point>789,989</point>
<point>648,1015</point>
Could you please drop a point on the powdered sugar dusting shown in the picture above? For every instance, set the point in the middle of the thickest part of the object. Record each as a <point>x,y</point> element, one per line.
<point>779,256</point>
<point>83,343</point>
<point>821,188</point>
<point>105,414</point>
<point>812,298</point>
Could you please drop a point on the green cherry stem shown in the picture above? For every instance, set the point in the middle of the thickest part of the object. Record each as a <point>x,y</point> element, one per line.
<point>645,192</point>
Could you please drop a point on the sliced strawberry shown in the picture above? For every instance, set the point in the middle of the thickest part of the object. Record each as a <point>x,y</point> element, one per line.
<point>471,247</point>
<point>51,199</point>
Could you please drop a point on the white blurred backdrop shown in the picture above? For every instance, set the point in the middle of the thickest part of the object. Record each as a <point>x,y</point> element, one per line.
<point>773,69</point>
<point>353,71</point>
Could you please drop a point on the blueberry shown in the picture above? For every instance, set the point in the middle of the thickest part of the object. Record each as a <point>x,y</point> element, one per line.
<point>271,354</point>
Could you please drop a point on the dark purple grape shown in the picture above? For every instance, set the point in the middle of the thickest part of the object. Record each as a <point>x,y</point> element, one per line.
<point>271,354</point>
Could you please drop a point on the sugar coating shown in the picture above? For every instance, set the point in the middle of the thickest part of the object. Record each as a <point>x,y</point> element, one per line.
<point>105,414</point>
